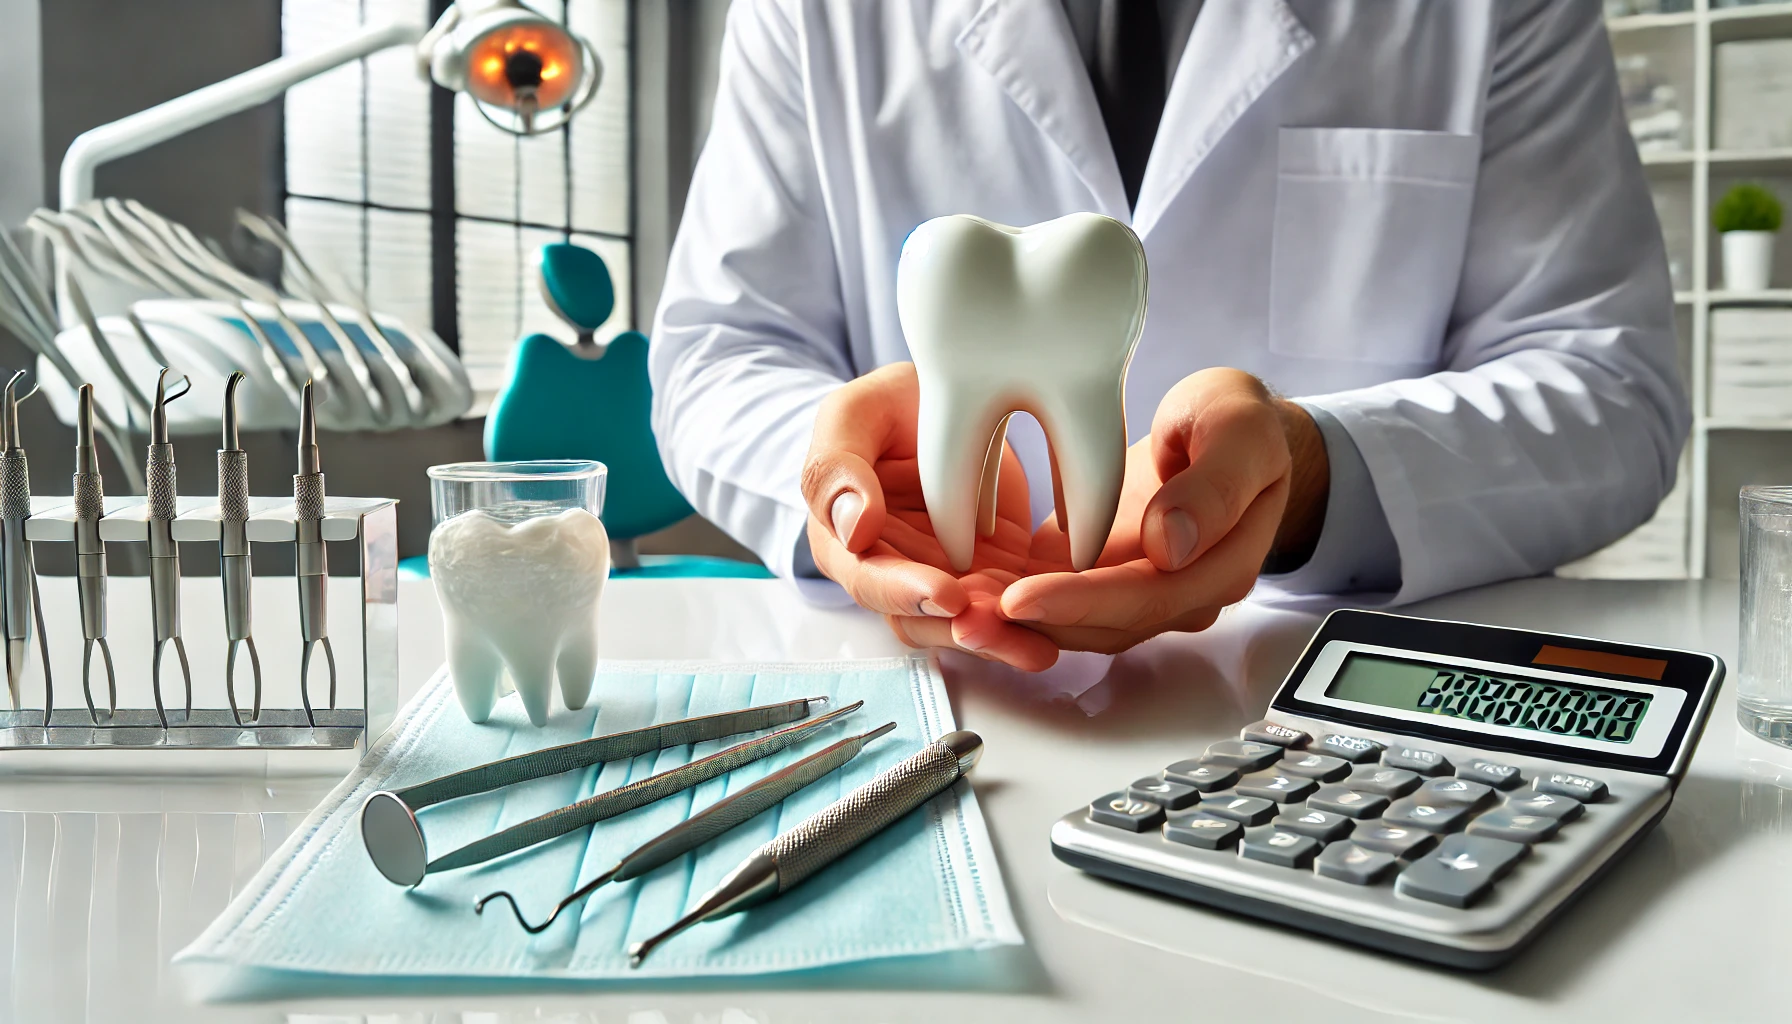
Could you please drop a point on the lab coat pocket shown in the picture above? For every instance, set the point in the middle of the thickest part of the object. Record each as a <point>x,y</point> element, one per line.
<point>1369,234</point>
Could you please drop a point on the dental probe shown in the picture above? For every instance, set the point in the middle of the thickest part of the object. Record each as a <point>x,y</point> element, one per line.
<point>18,574</point>
<point>830,834</point>
<point>707,824</point>
<point>234,568</point>
<point>90,553</point>
<point>313,557</point>
<point>164,553</point>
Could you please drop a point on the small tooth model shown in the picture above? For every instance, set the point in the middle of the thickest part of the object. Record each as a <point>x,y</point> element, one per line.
<point>520,597</point>
<point>1042,320</point>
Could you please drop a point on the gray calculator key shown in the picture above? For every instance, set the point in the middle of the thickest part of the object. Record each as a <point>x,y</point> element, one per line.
<point>1275,846</point>
<point>1283,789</point>
<point>1122,811</point>
<point>1412,811</point>
<point>1275,732</point>
<point>1321,825</point>
<point>1251,810</point>
<point>1169,794</point>
<point>1416,759</point>
<point>1467,792</point>
<point>1204,777</point>
<point>1323,767</point>
<point>1587,791</point>
<point>1348,802</point>
<point>1462,870</point>
<point>1243,754</point>
<point>1203,831</point>
<point>1387,781</point>
<point>1354,749</point>
<point>1499,776</point>
<point>1505,823</point>
<point>1561,808</point>
<point>1398,840</point>
<point>1354,863</point>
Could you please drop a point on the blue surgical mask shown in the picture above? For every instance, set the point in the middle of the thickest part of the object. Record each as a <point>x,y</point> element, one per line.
<point>929,884</point>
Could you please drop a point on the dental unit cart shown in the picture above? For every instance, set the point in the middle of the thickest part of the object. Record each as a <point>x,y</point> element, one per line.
<point>1434,789</point>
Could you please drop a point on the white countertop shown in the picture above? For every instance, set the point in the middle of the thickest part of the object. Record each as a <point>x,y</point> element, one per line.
<point>105,879</point>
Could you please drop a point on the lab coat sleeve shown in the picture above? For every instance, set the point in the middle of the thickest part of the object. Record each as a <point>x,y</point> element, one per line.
<point>750,333</point>
<point>1557,420</point>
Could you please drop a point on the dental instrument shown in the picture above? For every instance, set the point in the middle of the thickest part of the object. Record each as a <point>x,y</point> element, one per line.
<point>90,553</point>
<point>312,556</point>
<point>394,840</point>
<point>830,834</point>
<point>707,824</point>
<point>164,552</point>
<point>18,572</point>
<point>234,568</point>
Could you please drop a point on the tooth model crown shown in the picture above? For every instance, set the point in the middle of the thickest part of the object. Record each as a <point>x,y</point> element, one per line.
<point>1042,320</point>
<point>522,598</point>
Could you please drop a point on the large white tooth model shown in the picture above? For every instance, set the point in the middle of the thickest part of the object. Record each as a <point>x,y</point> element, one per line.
<point>522,598</point>
<point>1043,320</point>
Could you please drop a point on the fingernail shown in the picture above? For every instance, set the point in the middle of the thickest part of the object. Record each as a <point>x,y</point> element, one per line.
<point>845,513</point>
<point>1179,537</point>
<point>972,643</point>
<point>1028,612</point>
<point>929,608</point>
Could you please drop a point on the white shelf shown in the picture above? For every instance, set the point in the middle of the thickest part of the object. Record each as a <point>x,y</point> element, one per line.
<point>1646,22</point>
<point>1770,297</point>
<point>1749,161</point>
<point>1720,423</point>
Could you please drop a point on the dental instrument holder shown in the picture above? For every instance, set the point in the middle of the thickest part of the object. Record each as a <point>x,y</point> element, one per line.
<point>371,523</point>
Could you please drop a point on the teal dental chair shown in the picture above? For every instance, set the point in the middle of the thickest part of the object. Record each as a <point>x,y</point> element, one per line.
<point>594,402</point>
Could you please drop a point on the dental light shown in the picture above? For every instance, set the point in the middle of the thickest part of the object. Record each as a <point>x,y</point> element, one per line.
<point>511,59</point>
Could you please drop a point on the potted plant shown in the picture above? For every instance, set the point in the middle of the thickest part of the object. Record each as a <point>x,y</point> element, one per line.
<point>1747,217</point>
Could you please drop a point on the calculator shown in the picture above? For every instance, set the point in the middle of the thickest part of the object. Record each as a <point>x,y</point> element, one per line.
<point>1439,790</point>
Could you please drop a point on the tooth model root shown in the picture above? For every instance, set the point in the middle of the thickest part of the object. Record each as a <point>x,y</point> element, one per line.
<point>475,667</point>
<point>577,668</point>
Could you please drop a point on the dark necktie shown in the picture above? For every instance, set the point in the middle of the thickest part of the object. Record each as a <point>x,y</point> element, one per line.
<point>1128,74</point>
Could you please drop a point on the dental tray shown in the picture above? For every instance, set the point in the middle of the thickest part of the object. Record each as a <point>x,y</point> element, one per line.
<point>1435,789</point>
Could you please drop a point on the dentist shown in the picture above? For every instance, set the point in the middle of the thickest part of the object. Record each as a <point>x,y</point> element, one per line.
<point>1424,220</point>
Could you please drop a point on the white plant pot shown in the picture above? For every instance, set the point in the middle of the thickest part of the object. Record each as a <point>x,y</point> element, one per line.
<point>1748,260</point>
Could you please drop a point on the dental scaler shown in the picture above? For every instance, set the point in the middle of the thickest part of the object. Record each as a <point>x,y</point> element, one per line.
<point>90,553</point>
<point>233,549</point>
<point>18,573</point>
<point>164,552</point>
<point>312,555</point>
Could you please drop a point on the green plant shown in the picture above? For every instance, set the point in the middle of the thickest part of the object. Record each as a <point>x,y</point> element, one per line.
<point>1747,207</point>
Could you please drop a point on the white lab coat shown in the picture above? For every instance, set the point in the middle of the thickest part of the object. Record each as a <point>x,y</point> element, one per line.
<point>1424,216</point>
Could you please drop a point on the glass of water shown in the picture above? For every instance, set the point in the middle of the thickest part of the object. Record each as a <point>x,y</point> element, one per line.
<point>1764,684</point>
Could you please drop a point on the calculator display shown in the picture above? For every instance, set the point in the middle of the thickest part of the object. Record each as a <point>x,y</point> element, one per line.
<point>1565,709</point>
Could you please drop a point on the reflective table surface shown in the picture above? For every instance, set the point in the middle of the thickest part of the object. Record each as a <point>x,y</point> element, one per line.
<point>104,879</point>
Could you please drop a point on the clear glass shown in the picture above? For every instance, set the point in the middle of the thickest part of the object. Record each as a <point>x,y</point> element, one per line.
<point>1764,675</point>
<point>514,491</point>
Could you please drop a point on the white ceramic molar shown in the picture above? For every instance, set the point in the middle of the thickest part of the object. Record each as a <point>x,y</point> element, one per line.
<point>521,598</point>
<point>1043,320</point>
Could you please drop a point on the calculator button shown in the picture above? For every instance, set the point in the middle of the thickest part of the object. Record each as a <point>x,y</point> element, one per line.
<point>1276,733</point>
<point>1171,796</point>
<point>1275,846</point>
<point>1396,840</point>
<point>1354,749</point>
<point>1283,789</point>
<point>1505,823</point>
<point>1354,863</point>
<point>1243,754</point>
<point>1204,777</point>
<point>1499,776</point>
<point>1122,811</point>
<point>1416,759</point>
<point>1203,831</point>
<point>1589,791</point>
<point>1321,825</point>
<point>1249,809</point>
<point>1462,870</point>
<point>1323,767</point>
<point>1429,816</point>
<point>1561,808</point>
<point>1348,802</point>
<point>1386,781</point>
<point>1467,792</point>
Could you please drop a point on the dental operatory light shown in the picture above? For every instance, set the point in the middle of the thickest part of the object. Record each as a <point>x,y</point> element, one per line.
<point>514,62</point>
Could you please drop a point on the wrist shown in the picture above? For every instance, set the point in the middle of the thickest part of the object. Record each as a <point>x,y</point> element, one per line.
<point>1309,487</point>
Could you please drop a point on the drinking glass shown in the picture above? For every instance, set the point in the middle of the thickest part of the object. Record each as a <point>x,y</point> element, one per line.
<point>1764,677</point>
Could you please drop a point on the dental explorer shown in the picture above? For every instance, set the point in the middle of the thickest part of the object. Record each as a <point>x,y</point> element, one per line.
<point>830,834</point>
<point>164,552</point>
<point>90,553</point>
<point>19,580</point>
<point>313,557</point>
<point>707,824</point>
<point>234,568</point>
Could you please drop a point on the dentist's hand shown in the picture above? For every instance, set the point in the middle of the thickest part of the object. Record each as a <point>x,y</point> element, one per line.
<point>1229,475</point>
